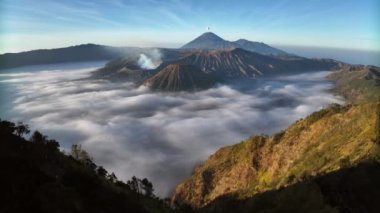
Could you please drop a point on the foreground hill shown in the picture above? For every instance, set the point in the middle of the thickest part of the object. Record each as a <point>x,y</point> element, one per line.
<point>180,77</point>
<point>37,177</point>
<point>327,162</point>
<point>357,83</point>
<point>324,143</point>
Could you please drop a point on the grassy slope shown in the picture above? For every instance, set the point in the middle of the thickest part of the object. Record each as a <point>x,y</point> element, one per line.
<point>326,141</point>
<point>357,84</point>
<point>353,189</point>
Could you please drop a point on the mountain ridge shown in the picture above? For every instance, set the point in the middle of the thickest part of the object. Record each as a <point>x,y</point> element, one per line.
<point>210,40</point>
<point>77,53</point>
<point>180,77</point>
<point>264,163</point>
<point>324,143</point>
<point>223,64</point>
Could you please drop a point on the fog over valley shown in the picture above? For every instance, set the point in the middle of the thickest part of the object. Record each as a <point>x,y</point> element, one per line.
<point>161,136</point>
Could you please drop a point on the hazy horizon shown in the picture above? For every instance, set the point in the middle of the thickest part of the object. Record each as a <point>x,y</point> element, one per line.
<point>28,25</point>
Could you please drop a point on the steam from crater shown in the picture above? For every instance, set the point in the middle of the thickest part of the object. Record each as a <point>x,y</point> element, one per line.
<point>150,60</point>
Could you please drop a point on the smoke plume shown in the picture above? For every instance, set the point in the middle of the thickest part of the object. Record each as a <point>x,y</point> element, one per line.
<point>150,60</point>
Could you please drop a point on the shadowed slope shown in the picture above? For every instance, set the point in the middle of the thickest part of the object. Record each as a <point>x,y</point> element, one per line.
<point>351,190</point>
<point>37,177</point>
<point>180,77</point>
<point>234,63</point>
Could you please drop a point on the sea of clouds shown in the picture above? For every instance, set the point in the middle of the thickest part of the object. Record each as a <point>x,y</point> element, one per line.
<point>161,136</point>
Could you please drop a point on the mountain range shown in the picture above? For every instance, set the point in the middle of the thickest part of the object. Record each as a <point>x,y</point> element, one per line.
<point>94,52</point>
<point>212,41</point>
<point>221,60</point>
<point>79,53</point>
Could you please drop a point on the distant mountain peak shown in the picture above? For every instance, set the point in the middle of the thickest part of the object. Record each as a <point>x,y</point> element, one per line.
<point>210,41</point>
<point>209,35</point>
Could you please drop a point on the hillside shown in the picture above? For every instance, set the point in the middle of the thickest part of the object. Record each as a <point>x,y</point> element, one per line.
<point>327,162</point>
<point>79,53</point>
<point>291,163</point>
<point>357,83</point>
<point>37,177</point>
<point>180,77</point>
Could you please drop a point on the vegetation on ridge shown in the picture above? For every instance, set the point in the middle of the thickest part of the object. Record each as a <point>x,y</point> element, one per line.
<point>38,177</point>
<point>330,140</point>
<point>309,166</point>
<point>357,83</point>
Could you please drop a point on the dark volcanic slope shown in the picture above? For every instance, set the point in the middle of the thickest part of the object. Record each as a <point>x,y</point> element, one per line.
<point>126,68</point>
<point>123,69</point>
<point>232,63</point>
<point>180,77</point>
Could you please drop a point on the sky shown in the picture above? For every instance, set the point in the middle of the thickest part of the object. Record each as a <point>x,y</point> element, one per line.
<point>36,24</point>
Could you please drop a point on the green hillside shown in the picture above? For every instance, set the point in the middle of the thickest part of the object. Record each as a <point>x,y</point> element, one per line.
<point>305,165</point>
<point>326,141</point>
<point>357,83</point>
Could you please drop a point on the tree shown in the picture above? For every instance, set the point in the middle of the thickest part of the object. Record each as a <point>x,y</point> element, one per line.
<point>75,149</point>
<point>79,154</point>
<point>52,144</point>
<point>134,184</point>
<point>102,171</point>
<point>38,138</point>
<point>147,186</point>
<point>112,177</point>
<point>8,127</point>
<point>22,129</point>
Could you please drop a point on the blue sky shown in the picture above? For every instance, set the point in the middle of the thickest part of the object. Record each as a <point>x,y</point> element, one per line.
<point>33,24</point>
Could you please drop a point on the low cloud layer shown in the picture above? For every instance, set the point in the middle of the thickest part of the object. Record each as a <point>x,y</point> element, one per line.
<point>156,135</point>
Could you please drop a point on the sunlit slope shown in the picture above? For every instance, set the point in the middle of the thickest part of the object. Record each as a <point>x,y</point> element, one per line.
<point>309,164</point>
<point>326,141</point>
<point>358,83</point>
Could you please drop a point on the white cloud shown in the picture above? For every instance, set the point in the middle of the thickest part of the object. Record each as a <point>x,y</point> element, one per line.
<point>156,135</point>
